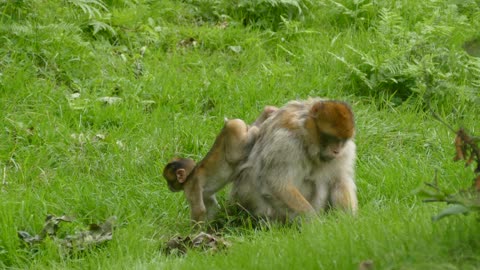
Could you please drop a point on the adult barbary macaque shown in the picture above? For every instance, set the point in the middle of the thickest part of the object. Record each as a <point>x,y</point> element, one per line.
<point>302,162</point>
<point>201,181</point>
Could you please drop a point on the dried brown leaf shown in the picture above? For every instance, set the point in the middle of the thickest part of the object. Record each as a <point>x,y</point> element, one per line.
<point>27,238</point>
<point>95,235</point>
<point>50,228</point>
<point>110,100</point>
<point>366,265</point>
<point>202,241</point>
<point>51,224</point>
<point>188,42</point>
<point>176,245</point>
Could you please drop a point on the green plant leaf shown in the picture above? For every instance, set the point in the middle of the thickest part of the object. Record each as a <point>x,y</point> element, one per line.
<point>454,209</point>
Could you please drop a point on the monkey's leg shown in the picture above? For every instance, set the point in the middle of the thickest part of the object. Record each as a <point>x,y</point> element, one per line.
<point>344,195</point>
<point>236,139</point>
<point>267,112</point>
<point>252,135</point>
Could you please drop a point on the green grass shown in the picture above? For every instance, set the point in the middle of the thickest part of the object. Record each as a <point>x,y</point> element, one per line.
<point>62,151</point>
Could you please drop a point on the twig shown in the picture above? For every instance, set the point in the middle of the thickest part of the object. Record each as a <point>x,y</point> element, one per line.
<point>462,139</point>
<point>434,186</point>
<point>448,201</point>
<point>436,116</point>
<point>427,97</point>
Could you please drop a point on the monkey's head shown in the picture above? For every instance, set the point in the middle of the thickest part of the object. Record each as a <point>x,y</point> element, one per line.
<point>177,171</point>
<point>333,124</point>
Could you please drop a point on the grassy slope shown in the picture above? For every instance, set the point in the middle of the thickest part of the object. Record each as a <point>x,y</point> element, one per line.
<point>51,162</point>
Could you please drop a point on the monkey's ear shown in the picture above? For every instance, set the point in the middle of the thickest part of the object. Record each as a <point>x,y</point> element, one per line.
<point>316,109</point>
<point>181,175</point>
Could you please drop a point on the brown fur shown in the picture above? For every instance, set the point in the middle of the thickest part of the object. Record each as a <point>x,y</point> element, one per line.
<point>336,118</point>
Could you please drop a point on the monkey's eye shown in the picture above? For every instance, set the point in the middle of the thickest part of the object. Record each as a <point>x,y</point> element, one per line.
<point>331,139</point>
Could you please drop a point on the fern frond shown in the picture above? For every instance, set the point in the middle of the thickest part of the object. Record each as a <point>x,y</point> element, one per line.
<point>101,26</point>
<point>367,59</point>
<point>360,74</point>
<point>390,22</point>
<point>343,9</point>
<point>91,7</point>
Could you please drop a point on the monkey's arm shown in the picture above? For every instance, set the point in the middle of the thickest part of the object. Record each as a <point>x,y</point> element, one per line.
<point>295,201</point>
<point>284,171</point>
<point>194,195</point>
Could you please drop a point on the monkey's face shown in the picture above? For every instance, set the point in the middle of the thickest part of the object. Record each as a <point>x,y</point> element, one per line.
<point>176,173</point>
<point>174,185</point>
<point>331,146</point>
<point>335,126</point>
<point>170,175</point>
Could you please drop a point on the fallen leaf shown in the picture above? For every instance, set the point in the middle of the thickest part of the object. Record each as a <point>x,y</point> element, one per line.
<point>149,105</point>
<point>188,42</point>
<point>366,265</point>
<point>235,49</point>
<point>143,49</point>
<point>120,144</point>
<point>99,137</point>
<point>176,245</point>
<point>51,225</point>
<point>27,238</point>
<point>207,241</point>
<point>75,95</point>
<point>49,229</point>
<point>202,241</point>
<point>110,100</point>
<point>95,235</point>
<point>76,102</point>
<point>222,25</point>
